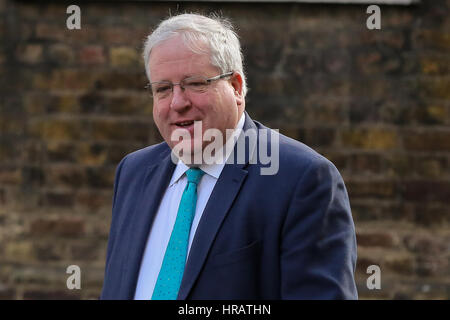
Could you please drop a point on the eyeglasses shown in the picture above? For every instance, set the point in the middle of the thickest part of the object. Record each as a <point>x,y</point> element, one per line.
<point>198,84</point>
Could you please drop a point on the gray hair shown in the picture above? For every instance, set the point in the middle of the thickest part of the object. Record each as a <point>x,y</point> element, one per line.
<point>197,30</point>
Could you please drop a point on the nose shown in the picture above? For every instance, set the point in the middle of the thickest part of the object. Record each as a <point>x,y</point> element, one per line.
<point>180,101</point>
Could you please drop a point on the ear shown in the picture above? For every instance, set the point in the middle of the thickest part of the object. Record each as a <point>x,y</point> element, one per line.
<point>237,84</point>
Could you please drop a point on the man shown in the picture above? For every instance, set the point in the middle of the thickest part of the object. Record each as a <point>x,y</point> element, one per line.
<point>187,228</point>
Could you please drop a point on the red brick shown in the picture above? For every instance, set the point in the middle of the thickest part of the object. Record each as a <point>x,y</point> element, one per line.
<point>2,196</point>
<point>92,154</point>
<point>67,176</point>
<point>389,38</point>
<point>371,189</point>
<point>100,177</point>
<point>60,151</point>
<point>428,266</point>
<point>116,151</point>
<point>431,166</point>
<point>369,138</point>
<point>317,137</point>
<point>33,176</point>
<point>42,294</point>
<point>7,293</point>
<point>363,262</point>
<point>113,80</point>
<point>31,53</point>
<point>85,251</point>
<point>434,88</point>
<point>425,190</point>
<point>432,215</point>
<point>57,129</point>
<point>365,163</point>
<point>48,251</point>
<point>65,227</point>
<point>435,64</point>
<point>64,79</point>
<point>10,175</point>
<point>425,244</point>
<point>61,54</point>
<point>431,114</point>
<point>113,130</point>
<point>58,199</point>
<point>94,201</point>
<point>125,57</point>
<point>324,111</point>
<point>401,264</point>
<point>375,239</point>
<point>398,165</point>
<point>53,32</point>
<point>429,140</point>
<point>431,39</point>
<point>92,55</point>
<point>363,211</point>
<point>115,35</point>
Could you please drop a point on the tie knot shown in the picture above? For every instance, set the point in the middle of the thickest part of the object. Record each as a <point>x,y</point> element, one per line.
<point>194,175</point>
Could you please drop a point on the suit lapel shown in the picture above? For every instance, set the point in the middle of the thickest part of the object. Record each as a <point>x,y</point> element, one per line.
<point>154,184</point>
<point>226,189</point>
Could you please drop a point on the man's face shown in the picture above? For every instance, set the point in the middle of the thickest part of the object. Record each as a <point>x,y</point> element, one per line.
<point>219,107</point>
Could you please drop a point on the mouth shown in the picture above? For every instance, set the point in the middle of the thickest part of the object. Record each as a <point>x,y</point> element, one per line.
<point>183,124</point>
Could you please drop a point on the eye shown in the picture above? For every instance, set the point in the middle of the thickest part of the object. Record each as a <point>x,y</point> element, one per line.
<point>196,82</point>
<point>162,88</point>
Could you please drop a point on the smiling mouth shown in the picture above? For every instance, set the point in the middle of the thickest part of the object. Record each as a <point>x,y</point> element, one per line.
<point>187,123</point>
<point>184,124</point>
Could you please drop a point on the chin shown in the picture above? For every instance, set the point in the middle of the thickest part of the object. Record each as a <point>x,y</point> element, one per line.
<point>189,151</point>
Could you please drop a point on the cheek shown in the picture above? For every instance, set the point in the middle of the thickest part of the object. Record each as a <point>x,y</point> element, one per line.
<point>220,100</point>
<point>158,118</point>
<point>226,106</point>
<point>227,95</point>
<point>158,112</point>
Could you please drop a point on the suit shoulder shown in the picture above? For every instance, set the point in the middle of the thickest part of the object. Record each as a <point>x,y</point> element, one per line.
<point>297,157</point>
<point>298,152</point>
<point>294,153</point>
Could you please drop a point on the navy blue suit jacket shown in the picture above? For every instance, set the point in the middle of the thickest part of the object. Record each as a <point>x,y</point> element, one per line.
<point>283,236</point>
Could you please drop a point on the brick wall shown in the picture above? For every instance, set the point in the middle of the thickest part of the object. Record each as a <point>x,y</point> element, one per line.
<point>375,102</point>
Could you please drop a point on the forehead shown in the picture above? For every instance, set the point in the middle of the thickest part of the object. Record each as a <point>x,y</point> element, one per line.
<point>172,59</point>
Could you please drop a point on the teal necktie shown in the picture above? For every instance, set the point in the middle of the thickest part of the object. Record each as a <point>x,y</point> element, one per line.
<point>172,268</point>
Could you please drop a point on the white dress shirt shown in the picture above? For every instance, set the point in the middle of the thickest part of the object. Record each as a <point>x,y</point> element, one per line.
<point>167,213</point>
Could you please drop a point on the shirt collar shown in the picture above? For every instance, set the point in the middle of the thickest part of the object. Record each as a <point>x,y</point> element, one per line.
<point>214,169</point>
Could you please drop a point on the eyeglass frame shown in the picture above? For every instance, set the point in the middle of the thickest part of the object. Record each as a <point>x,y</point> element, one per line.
<point>172,85</point>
